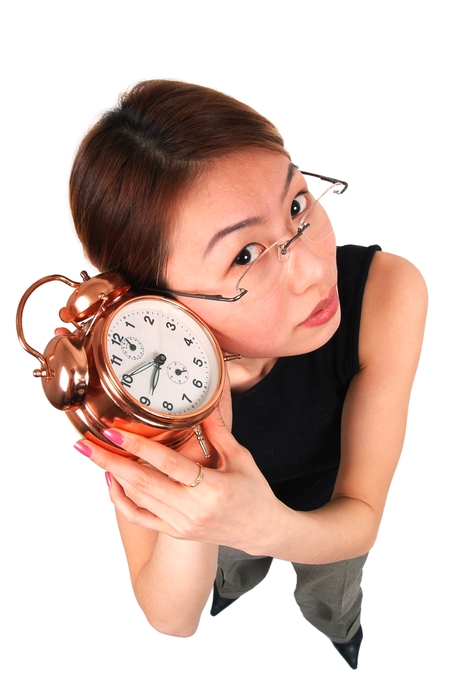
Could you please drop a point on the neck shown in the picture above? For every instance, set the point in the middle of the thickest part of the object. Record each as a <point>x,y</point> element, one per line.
<point>248,371</point>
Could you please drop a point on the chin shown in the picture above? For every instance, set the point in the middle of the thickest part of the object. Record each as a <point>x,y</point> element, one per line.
<point>318,336</point>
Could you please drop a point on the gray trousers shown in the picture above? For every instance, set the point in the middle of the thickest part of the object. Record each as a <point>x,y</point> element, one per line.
<point>329,595</point>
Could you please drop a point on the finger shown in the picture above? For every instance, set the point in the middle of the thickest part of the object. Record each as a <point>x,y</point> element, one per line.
<point>141,490</point>
<point>165,460</point>
<point>142,509</point>
<point>130,510</point>
<point>126,471</point>
<point>151,477</point>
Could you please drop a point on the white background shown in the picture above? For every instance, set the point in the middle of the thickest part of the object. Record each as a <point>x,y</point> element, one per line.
<point>370,92</point>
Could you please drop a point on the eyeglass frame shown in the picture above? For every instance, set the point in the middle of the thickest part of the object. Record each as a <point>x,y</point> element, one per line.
<point>284,248</point>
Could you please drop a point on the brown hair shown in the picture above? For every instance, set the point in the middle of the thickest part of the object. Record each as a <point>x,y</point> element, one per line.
<point>133,167</point>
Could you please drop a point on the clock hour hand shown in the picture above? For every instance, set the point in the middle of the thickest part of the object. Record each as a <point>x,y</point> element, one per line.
<point>157,362</point>
<point>142,368</point>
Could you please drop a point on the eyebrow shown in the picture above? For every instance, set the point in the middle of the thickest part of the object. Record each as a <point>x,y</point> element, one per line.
<point>292,169</point>
<point>251,221</point>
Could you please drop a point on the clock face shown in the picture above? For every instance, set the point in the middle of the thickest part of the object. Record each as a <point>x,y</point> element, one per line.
<point>161,356</point>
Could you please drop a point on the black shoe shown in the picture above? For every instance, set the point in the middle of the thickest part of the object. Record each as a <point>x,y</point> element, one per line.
<point>350,650</point>
<point>219,603</point>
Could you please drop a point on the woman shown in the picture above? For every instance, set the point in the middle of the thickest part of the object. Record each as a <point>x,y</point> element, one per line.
<point>184,189</point>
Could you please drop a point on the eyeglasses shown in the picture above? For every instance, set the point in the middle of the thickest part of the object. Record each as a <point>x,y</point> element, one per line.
<point>267,268</point>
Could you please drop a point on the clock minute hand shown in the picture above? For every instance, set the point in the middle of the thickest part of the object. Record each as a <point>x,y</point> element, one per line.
<point>158,363</point>
<point>155,378</point>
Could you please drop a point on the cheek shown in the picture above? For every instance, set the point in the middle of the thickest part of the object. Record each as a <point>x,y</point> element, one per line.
<point>326,251</point>
<point>220,318</point>
<point>238,329</point>
<point>250,332</point>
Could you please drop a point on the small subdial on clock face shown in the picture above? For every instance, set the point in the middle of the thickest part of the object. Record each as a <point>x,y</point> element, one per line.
<point>177,372</point>
<point>132,348</point>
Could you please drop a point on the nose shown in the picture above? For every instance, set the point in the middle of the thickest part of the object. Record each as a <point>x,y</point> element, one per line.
<point>310,262</point>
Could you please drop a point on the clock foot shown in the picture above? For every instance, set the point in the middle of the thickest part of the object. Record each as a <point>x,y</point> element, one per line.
<point>201,440</point>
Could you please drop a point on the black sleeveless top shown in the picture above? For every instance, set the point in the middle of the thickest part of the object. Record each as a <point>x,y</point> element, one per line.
<point>291,420</point>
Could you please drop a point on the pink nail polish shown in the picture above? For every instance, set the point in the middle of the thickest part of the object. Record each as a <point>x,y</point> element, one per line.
<point>114,436</point>
<point>83,448</point>
<point>108,479</point>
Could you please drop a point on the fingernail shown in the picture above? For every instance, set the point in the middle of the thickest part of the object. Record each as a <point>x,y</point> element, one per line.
<point>108,479</point>
<point>83,448</point>
<point>114,436</point>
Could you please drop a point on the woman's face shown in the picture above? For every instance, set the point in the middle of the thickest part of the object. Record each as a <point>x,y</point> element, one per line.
<point>245,202</point>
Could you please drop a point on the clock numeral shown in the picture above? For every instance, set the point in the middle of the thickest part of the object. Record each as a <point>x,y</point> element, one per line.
<point>197,362</point>
<point>126,380</point>
<point>127,323</point>
<point>171,326</point>
<point>184,396</point>
<point>116,360</point>
<point>168,406</point>
<point>197,383</point>
<point>117,339</point>
<point>188,341</point>
<point>148,320</point>
<point>145,401</point>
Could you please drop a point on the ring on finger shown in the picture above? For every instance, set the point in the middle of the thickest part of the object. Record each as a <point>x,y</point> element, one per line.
<point>199,478</point>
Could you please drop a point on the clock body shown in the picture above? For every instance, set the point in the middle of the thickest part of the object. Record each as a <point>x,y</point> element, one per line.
<point>143,363</point>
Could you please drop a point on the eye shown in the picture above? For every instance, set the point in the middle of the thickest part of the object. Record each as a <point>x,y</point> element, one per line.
<point>298,205</point>
<point>249,254</point>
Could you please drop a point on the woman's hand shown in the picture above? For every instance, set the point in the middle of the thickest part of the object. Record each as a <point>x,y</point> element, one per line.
<point>232,505</point>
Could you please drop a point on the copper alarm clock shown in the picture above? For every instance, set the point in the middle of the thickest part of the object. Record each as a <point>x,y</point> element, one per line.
<point>147,363</point>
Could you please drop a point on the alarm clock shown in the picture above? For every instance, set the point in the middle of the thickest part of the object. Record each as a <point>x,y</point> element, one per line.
<point>143,363</point>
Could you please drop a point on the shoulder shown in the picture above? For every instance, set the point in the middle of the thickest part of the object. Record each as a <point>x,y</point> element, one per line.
<point>394,307</point>
<point>393,280</point>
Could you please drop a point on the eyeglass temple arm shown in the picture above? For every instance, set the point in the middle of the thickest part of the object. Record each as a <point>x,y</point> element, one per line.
<point>333,180</point>
<point>210,297</point>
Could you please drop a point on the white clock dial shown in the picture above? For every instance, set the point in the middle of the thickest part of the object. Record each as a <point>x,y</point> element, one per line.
<point>161,356</point>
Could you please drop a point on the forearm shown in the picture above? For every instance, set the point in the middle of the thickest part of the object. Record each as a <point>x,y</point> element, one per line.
<point>342,529</point>
<point>173,586</point>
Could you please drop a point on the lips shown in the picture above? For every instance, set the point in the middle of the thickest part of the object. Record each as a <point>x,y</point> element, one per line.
<point>323,311</point>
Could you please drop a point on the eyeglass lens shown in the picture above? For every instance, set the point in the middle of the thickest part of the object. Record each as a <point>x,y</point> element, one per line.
<point>266,274</point>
